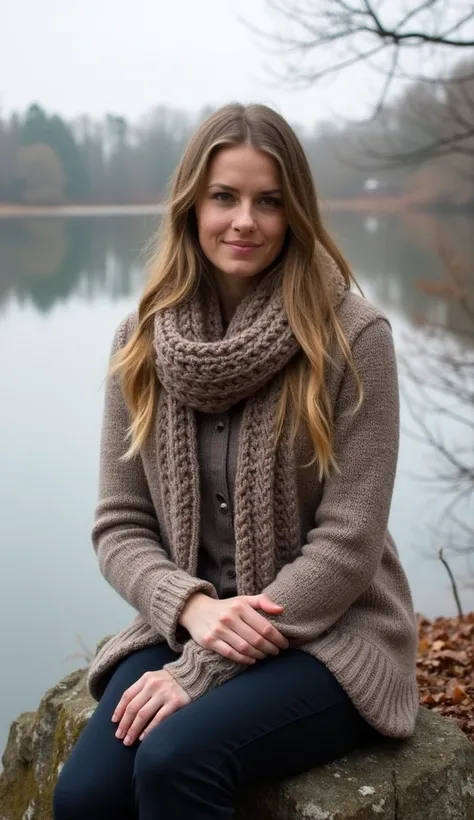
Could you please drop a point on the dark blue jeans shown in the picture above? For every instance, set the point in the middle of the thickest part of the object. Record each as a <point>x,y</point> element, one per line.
<point>284,715</point>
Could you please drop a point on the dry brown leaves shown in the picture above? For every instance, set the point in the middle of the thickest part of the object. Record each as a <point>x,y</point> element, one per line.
<point>445,668</point>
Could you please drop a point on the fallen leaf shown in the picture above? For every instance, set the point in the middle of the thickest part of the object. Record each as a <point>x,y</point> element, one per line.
<point>459,657</point>
<point>437,645</point>
<point>445,668</point>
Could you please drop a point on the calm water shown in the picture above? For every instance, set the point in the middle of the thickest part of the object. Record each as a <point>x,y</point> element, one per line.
<point>64,286</point>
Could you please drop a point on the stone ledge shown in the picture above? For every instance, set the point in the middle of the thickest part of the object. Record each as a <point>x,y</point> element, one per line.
<point>428,777</point>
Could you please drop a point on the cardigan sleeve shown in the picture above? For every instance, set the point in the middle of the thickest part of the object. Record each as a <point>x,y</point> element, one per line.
<point>343,551</point>
<point>126,534</point>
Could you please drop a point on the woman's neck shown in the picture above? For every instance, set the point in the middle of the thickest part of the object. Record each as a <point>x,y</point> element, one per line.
<point>231,290</point>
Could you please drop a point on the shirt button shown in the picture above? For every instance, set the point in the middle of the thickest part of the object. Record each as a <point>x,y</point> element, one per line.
<point>231,574</point>
<point>220,426</point>
<point>222,502</point>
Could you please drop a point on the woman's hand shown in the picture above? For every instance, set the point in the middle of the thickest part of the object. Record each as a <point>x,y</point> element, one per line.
<point>154,697</point>
<point>232,627</point>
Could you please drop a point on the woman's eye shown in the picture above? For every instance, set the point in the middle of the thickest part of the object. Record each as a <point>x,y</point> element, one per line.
<point>222,196</point>
<point>270,201</point>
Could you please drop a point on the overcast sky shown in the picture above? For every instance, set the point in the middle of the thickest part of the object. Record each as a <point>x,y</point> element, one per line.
<point>126,56</point>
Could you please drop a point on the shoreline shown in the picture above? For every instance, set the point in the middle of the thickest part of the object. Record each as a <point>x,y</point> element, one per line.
<point>361,204</point>
<point>18,211</point>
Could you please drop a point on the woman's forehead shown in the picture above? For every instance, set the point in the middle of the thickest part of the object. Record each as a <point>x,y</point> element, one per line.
<point>243,165</point>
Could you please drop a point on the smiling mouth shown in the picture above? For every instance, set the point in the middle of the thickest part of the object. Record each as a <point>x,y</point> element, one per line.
<point>242,246</point>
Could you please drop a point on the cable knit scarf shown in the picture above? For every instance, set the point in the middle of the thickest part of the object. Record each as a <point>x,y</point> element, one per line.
<point>201,367</point>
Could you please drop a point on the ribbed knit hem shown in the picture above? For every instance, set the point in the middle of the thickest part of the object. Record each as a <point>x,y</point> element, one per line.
<point>169,599</point>
<point>385,695</point>
<point>131,639</point>
<point>199,670</point>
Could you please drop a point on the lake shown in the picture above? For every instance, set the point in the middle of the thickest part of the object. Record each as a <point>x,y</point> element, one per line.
<point>64,286</point>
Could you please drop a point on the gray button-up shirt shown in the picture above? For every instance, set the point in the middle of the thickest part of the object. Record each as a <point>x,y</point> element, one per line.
<point>217,438</point>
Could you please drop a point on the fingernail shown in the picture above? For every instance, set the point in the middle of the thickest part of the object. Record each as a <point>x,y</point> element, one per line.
<point>114,718</point>
<point>142,736</point>
<point>119,733</point>
<point>127,740</point>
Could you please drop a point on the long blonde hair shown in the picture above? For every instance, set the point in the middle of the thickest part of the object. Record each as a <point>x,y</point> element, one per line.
<point>177,262</point>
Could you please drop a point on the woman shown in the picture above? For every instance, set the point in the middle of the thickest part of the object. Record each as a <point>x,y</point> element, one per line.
<point>248,456</point>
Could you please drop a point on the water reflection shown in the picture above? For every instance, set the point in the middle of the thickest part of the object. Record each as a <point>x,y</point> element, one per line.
<point>45,260</point>
<point>393,260</point>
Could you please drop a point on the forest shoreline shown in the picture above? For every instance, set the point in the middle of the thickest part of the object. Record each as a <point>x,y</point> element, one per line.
<point>379,204</point>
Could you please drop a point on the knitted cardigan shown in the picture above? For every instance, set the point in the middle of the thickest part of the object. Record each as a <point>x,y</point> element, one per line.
<point>346,597</point>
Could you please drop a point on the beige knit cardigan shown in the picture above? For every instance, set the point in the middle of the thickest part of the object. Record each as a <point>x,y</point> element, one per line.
<point>346,597</point>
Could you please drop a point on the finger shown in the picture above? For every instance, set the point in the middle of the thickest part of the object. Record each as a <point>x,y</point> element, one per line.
<point>127,696</point>
<point>264,627</point>
<point>231,635</point>
<point>256,646</point>
<point>130,714</point>
<point>166,710</point>
<point>143,718</point>
<point>245,640</point>
<point>265,600</point>
<point>228,651</point>
<point>262,601</point>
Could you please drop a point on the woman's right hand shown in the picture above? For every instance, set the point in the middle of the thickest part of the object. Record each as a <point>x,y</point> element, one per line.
<point>232,627</point>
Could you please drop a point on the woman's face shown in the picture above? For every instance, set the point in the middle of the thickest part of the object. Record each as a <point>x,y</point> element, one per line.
<point>240,213</point>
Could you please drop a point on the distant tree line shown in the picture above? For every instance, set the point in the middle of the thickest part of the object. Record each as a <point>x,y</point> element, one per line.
<point>45,160</point>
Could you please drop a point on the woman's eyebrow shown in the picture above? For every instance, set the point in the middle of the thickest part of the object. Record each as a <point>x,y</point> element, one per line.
<point>236,190</point>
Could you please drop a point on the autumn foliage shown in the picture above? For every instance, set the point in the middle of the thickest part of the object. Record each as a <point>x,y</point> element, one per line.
<point>445,668</point>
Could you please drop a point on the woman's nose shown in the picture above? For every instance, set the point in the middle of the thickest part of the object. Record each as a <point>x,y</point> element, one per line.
<point>244,219</point>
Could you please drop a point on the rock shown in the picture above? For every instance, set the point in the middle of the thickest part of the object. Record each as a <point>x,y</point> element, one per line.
<point>428,777</point>
<point>37,746</point>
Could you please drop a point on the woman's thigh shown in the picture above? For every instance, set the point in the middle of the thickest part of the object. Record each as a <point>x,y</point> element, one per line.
<point>96,780</point>
<point>280,717</point>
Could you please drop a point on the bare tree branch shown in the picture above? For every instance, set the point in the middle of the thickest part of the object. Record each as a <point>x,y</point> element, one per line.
<point>441,398</point>
<point>453,582</point>
<point>321,38</point>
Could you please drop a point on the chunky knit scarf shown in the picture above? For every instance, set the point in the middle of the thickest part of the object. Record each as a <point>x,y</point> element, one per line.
<point>201,367</point>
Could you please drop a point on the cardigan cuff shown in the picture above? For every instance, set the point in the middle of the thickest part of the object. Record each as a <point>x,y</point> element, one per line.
<point>168,601</point>
<point>199,670</point>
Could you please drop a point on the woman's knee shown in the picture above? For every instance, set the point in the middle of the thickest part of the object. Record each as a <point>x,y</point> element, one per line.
<point>156,760</point>
<point>166,757</point>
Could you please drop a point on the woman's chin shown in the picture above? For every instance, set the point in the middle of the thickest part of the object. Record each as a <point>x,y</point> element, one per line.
<point>240,270</point>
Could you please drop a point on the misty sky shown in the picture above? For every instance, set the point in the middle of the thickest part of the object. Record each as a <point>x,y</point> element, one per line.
<point>126,56</point>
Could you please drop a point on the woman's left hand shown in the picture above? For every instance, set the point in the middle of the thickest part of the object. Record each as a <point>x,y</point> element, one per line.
<point>154,697</point>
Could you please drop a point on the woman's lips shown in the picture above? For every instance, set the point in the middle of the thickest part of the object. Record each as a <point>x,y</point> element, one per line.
<point>242,248</point>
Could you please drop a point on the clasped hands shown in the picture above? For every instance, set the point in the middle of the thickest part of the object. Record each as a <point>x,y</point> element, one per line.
<point>232,627</point>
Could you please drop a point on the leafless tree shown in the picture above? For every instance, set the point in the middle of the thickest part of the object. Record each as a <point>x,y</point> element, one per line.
<point>412,42</point>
